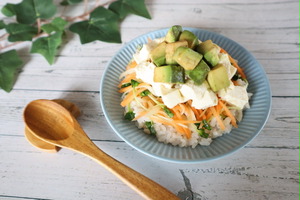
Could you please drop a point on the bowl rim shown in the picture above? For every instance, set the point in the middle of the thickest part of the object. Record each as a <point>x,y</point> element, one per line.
<point>233,150</point>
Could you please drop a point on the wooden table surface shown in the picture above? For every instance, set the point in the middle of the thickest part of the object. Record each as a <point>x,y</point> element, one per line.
<point>267,168</point>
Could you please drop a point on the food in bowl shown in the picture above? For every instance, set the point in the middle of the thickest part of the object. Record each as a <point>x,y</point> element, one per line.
<point>183,90</point>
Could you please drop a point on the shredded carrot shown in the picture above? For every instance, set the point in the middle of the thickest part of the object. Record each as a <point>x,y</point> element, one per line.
<point>187,121</point>
<point>217,116</point>
<point>131,65</point>
<point>130,96</point>
<point>235,83</point>
<point>229,114</point>
<point>127,79</point>
<point>125,89</point>
<point>240,70</point>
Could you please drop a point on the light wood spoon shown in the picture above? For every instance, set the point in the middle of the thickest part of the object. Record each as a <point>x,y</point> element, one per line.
<point>41,144</point>
<point>52,123</point>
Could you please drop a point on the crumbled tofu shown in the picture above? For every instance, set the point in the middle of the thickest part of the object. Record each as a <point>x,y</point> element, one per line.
<point>202,97</point>
<point>235,95</point>
<point>224,59</point>
<point>173,98</point>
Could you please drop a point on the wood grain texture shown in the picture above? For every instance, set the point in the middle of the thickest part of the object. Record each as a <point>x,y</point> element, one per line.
<point>267,168</point>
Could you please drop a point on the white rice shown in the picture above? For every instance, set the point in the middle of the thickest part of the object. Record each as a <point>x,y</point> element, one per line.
<point>168,134</point>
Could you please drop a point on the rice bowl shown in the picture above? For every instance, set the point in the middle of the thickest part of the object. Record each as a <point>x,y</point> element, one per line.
<point>184,106</point>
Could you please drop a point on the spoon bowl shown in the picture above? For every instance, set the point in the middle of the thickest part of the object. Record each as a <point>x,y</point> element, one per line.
<point>60,120</point>
<point>43,145</point>
<point>54,124</point>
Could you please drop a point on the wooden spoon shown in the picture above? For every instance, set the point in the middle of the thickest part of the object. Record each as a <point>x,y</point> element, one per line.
<point>52,123</point>
<point>41,144</point>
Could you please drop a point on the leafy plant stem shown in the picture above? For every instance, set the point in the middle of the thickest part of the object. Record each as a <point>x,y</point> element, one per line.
<point>38,22</point>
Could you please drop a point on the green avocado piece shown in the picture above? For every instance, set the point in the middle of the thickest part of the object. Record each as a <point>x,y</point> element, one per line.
<point>170,50</point>
<point>187,57</point>
<point>173,34</point>
<point>158,54</point>
<point>218,78</point>
<point>199,73</point>
<point>190,37</point>
<point>169,74</point>
<point>210,52</point>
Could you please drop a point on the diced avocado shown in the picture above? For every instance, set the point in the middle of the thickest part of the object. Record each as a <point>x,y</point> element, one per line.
<point>169,74</point>
<point>170,50</point>
<point>190,37</point>
<point>173,34</point>
<point>210,51</point>
<point>199,73</point>
<point>218,78</point>
<point>158,54</point>
<point>187,57</point>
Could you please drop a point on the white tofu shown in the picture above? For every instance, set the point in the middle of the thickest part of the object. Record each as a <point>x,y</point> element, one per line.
<point>145,71</point>
<point>208,99</point>
<point>173,98</point>
<point>144,53</point>
<point>235,95</point>
<point>160,89</point>
<point>201,95</point>
<point>224,59</point>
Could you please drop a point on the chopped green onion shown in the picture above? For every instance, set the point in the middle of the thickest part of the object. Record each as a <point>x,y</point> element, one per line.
<point>130,115</point>
<point>145,93</point>
<point>150,126</point>
<point>168,112</point>
<point>134,83</point>
<point>125,85</point>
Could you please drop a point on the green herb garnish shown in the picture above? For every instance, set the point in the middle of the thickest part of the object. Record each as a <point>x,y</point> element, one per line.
<point>134,83</point>
<point>125,85</point>
<point>150,126</point>
<point>145,93</point>
<point>202,133</point>
<point>168,112</point>
<point>130,115</point>
<point>206,125</point>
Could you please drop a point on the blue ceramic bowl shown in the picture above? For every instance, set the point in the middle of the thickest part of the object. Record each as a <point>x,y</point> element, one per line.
<point>252,123</point>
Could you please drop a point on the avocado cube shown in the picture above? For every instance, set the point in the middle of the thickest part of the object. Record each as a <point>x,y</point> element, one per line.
<point>190,37</point>
<point>158,54</point>
<point>187,57</point>
<point>218,78</point>
<point>199,73</point>
<point>169,74</point>
<point>210,52</point>
<point>173,34</point>
<point>170,50</point>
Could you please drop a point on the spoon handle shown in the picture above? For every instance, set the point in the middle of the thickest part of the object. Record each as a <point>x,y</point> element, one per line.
<point>138,182</point>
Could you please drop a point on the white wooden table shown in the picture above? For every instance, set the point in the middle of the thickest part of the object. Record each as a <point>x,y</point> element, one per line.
<point>267,168</point>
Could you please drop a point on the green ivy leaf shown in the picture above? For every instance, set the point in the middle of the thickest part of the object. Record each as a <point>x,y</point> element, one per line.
<point>20,32</point>
<point>47,46</point>
<point>10,63</point>
<point>69,2</point>
<point>8,10</point>
<point>125,7</point>
<point>29,10</point>
<point>57,24</point>
<point>2,24</point>
<point>103,25</point>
